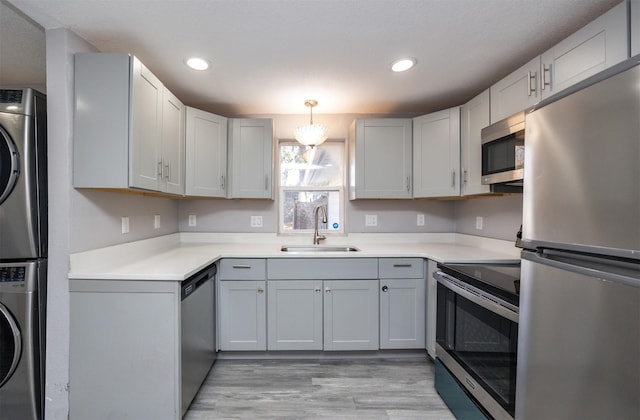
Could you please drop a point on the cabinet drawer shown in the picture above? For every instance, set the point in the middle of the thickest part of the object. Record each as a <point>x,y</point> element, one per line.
<point>243,269</point>
<point>322,268</point>
<point>401,268</point>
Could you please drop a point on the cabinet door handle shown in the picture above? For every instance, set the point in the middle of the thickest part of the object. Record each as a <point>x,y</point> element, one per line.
<point>266,182</point>
<point>241,266</point>
<point>464,176</point>
<point>453,179</point>
<point>327,290</point>
<point>167,167</point>
<point>160,168</point>
<point>531,77</point>
<point>408,184</point>
<point>222,182</point>
<point>401,265</point>
<point>385,288</point>
<point>317,290</point>
<point>545,81</point>
<point>260,290</point>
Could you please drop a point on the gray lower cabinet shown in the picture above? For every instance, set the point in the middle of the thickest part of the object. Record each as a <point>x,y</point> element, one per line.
<point>243,313</point>
<point>351,315</point>
<point>402,303</point>
<point>323,304</point>
<point>242,304</point>
<point>295,315</point>
<point>124,349</point>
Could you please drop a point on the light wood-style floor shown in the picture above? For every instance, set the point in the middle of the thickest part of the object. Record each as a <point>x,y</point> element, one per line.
<point>319,389</point>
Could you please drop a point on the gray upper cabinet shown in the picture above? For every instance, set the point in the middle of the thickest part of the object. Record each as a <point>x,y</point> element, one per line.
<point>475,116</point>
<point>127,126</point>
<point>206,154</point>
<point>146,127</point>
<point>250,158</point>
<point>515,92</point>
<point>380,161</point>
<point>173,144</point>
<point>595,47</point>
<point>436,154</point>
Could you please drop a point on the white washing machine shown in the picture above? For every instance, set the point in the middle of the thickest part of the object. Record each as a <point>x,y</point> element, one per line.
<point>23,252</point>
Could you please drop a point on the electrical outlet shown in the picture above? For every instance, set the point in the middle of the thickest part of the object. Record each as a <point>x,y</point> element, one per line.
<point>156,221</point>
<point>420,220</point>
<point>192,220</point>
<point>479,222</point>
<point>125,224</point>
<point>256,221</point>
<point>371,220</point>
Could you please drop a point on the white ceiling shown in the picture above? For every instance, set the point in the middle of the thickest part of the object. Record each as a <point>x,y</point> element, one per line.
<point>268,56</point>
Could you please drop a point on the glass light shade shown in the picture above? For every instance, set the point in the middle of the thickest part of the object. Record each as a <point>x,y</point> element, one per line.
<point>312,134</point>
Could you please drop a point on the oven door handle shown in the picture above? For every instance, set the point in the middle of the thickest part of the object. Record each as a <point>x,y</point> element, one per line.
<point>491,305</point>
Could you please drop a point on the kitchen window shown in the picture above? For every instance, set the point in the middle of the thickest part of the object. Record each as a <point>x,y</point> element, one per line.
<point>311,177</point>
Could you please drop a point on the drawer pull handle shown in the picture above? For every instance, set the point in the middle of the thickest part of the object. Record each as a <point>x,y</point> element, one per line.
<point>260,290</point>
<point>401,265</point>
<point>241,266</point>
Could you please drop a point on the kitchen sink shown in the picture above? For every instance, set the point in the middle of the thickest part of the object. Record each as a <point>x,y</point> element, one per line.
<point>316,248</point>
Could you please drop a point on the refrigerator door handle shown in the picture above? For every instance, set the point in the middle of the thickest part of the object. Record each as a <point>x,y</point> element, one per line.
<point>601,268</point>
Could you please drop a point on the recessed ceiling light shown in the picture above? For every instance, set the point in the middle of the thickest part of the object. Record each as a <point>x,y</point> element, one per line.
<point>403,64</point>
<point>197,63</point>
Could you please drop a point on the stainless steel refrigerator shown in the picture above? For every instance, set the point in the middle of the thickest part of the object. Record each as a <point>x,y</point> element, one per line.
<point>579,330</point>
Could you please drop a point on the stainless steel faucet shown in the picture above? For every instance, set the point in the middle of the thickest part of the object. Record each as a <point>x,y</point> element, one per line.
<point>316,236</point>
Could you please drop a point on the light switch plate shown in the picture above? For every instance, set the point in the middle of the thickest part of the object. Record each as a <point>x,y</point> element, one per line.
<point>156,221</point>
<point>192,220</point>
<point>420,220</point>
<point>479,222</point>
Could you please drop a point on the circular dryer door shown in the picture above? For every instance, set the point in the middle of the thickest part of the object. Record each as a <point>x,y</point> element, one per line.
<point>10,345</point>
<point>9,165</point>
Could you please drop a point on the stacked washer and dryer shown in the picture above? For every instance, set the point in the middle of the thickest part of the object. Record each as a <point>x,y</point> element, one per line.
<point>23,252</point>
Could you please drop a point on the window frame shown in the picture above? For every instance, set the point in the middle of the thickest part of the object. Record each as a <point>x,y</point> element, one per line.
<point>340,189</point>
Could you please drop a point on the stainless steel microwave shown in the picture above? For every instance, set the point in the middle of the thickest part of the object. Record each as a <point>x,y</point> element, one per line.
<point>503,154</point>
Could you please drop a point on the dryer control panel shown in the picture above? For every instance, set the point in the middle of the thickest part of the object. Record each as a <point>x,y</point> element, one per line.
<point>12,274</point>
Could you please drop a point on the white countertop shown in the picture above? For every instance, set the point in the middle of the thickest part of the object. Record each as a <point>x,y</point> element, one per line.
<point>176,257</point>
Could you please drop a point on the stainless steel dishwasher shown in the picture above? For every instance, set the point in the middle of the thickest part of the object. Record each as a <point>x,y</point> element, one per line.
<point>197,331</point>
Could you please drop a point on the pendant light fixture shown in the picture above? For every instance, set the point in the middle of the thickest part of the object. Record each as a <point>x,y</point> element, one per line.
<point>311,134</point>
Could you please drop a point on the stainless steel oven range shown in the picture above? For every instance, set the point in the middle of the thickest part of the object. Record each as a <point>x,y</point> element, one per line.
<point>477,338</point>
